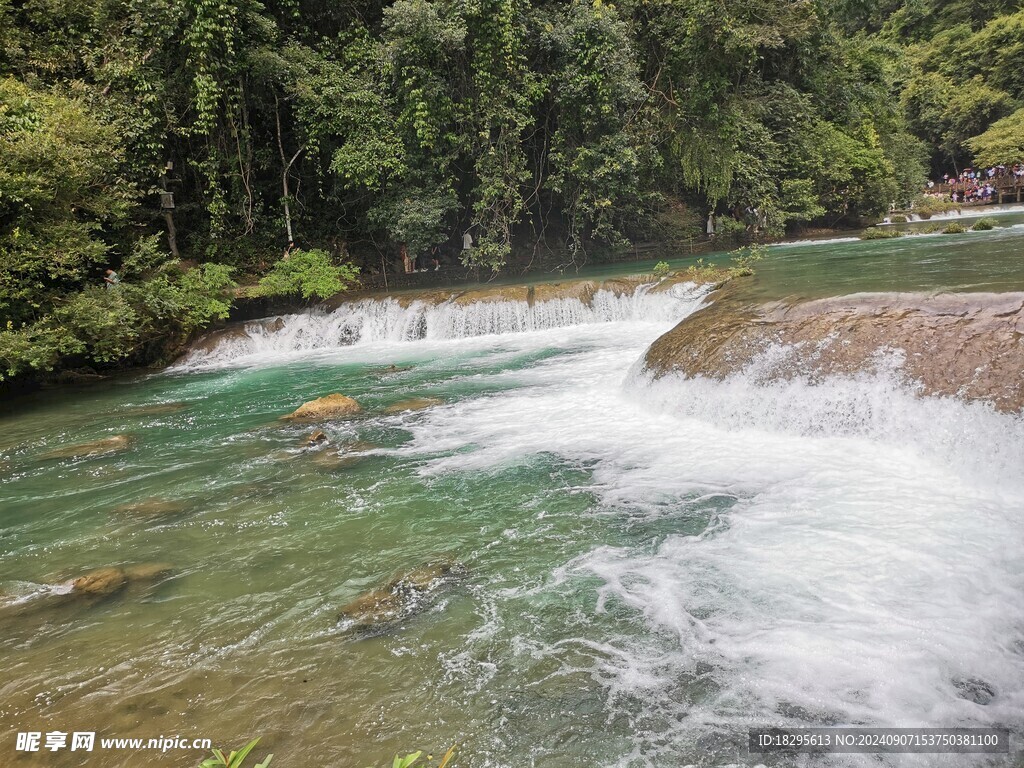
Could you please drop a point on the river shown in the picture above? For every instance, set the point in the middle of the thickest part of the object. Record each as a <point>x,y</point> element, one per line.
<point>651,568</point>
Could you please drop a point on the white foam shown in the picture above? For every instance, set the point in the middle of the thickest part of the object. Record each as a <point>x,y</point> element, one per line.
<point>871,557</point>
<point>812,241</point>
<point>386,321</point>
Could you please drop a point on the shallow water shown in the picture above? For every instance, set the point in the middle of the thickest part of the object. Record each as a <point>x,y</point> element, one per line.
<point>652,568</point>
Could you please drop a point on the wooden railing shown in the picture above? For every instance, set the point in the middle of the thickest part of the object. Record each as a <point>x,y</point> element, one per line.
<point>1006,189</point>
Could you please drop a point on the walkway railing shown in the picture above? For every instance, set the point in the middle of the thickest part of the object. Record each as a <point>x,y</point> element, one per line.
<point>1006,189</point>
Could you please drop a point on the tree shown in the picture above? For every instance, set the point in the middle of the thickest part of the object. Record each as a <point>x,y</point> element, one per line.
<point>1002,144</point>
<point>61,192</point>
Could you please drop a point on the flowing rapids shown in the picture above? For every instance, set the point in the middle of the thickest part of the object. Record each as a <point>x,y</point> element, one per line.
<point>646,569</point>
<point>387,320</point>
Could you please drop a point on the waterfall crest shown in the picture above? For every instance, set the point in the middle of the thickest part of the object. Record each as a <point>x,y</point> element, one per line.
<point>388,320</point>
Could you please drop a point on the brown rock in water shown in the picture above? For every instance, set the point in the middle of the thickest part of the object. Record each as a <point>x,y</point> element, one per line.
<point>969,345</point>
<point>401,597</point>
<point>104,582</point>
<point>350,454</point>
<point>413,404</point>
<point>332,406</point>
<point>317,437</point>
<point>148,572</point>
<point>106,446</point>
<point>100,583</point>
<point>359,446</point>
<point>150,509</point>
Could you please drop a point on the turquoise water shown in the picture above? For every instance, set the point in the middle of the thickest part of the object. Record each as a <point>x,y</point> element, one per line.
<point>650,568</point>
<point>974,261</point>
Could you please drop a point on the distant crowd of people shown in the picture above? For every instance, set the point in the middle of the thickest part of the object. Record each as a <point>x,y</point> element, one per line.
<point>977,185</point>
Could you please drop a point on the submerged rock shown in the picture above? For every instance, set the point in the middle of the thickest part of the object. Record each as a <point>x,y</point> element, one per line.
<point>145,572</point>
<point>214,339</point>
<point>349,455</point>
<point>331,406</point>
<point>157,409</point>
<point>151,509</point>
<point>317,437</point>
<point>969,345</point>
<point>106,446</point>
<point>389,370</point>
<point>401,597</point>
<point>975,690</point>
<point>103,582</point>
<point>413,404</point>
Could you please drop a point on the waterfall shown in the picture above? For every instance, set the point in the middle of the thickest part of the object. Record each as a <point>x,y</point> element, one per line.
<point>388,320</point>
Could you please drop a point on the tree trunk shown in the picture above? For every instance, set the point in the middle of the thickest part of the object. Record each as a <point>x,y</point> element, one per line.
<point>285,171</point>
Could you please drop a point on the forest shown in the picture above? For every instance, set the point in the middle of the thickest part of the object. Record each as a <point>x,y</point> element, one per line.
<point>184,144</point>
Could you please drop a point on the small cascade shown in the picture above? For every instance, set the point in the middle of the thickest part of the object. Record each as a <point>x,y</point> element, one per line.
<point>388,320</point>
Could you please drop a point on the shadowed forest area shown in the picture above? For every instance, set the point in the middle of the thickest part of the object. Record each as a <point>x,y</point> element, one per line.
<point>184,144</point>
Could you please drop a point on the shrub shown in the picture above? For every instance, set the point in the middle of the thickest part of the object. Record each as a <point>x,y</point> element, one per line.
<point>662,270</point>
<point>984,225</point>
<point>744,259</point>
<point>926,207</point>
<point>700,272</point>
<point>876,233</point>
<point>309,273</point>
<point>106,325</point>
<point>956,228</point>
<point>234,759</point>
<point>898,219</point>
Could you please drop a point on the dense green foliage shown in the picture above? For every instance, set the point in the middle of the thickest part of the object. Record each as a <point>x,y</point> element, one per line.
<point>565,128</point>
<point>310,274</point>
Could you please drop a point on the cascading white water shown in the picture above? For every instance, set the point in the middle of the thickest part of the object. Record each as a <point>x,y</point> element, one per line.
<point>386,320</point>
<point>863,568</point>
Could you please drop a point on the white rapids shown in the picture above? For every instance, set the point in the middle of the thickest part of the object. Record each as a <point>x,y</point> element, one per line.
<point>386,320</point>
<point>868,572</point>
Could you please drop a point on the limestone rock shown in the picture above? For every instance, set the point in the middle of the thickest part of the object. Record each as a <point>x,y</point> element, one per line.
<point>103,447</point>
<point>211,341</point>
<point>144,572</point>
<point>403,596</point>
<point>104,582</point>
<point>969,345</point>
<point>974,690</point>
<point>332,406</point>
<point>317,437</point>
<point>413,404</point>
<point>349,456</point>
<point>100,583</point>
